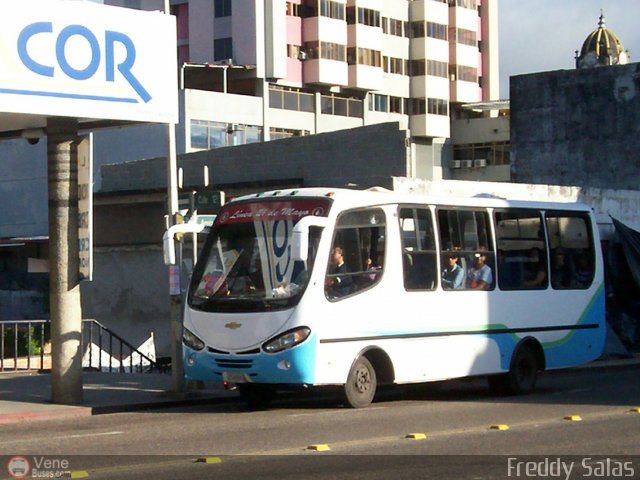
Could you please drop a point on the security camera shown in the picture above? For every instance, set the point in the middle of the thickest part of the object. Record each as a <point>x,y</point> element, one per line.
<point>32,135</point>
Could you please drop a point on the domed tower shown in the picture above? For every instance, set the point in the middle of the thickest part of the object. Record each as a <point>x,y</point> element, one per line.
<point>602,47</point>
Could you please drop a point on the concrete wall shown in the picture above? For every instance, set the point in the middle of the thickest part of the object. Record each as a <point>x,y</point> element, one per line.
<point>130,294</point>
<point>364,156</point>
<point>577,127</point>
<point>23,189</point>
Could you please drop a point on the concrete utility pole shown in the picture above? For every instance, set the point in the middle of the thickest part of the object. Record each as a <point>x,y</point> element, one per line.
<point>64,285</point>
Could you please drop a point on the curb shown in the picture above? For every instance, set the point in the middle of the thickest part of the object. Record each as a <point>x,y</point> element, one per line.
<point>136,407</point>
<point>27,416</point>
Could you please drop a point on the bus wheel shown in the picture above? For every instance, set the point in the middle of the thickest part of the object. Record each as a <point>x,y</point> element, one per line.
<point>257,396</point>
<point>361,384</point>
<point>522,375</point>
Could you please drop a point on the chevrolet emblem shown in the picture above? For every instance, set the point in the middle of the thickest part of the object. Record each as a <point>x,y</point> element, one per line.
<point>232,325</point>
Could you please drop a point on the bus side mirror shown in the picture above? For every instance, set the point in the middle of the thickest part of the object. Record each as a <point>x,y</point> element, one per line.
<point>169,244</point>
<point>300,236</point>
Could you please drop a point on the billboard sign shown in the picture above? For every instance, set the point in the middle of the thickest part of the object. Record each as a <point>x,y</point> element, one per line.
<point>85,207</point>
<point>87,60</point>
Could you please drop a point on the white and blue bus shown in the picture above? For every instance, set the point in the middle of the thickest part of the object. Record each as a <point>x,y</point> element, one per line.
<point>334,287</point>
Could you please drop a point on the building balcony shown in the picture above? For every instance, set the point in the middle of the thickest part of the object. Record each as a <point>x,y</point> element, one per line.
<point>325,72</point>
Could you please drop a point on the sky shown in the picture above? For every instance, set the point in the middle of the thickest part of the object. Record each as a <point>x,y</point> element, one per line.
<point>543,35</point>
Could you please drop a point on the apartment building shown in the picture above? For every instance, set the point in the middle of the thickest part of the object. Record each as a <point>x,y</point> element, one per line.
<point>255,70</point>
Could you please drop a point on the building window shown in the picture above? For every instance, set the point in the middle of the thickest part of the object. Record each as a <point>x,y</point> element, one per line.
<point>436,30</point>
<point>222,49</point>
<point>494,153</point>
<point>396,65</point>
<point>437,69</point>
<point>437,106</point>
<point>466,37</point>
<point>418,68</point>
<point>222,8</point>
<point>326,50</point>
<point>418,29</point>
<point>364,56</point>
<point>343,106</point>
<point>294,9</point>
<point>378,103</point>
<point>291,99</point>
<point>418,106</point>
<point>280,133</point>
<point>326,8</point>
<point>395,27</point>
<point>293,51</point>
<point>470,4</point>
<point>363,16</point>
<point>385,24</point>
<point>395,104</point>
<point>466,74</point>
<point>206,135</point>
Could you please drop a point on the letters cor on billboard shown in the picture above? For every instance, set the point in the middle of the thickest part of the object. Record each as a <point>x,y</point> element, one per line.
<point>86,60</point>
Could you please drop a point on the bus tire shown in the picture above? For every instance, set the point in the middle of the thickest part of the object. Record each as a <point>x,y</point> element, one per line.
<point>361,384</point>
<point>522,375</point>
<point>257,396</point>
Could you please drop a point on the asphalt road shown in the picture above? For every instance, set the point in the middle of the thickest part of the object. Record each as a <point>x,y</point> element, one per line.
<point>312,436</point>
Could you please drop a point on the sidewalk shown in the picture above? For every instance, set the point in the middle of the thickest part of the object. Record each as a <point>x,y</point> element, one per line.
<point>27,396</point>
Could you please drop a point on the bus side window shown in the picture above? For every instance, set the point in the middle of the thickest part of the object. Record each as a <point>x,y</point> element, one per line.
<point>467,234</point>
<point>360,236</point>
<point>522,252</point>
<point>572,250</point>
<point>418,249</point>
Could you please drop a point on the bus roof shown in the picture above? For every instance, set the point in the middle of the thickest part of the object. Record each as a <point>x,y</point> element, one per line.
<point>347,198</point>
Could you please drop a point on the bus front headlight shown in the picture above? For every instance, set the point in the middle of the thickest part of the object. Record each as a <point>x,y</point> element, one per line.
<point>287,340</point>
<point>191,341</point>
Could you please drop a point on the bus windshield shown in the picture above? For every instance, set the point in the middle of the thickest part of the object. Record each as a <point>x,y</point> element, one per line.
<point>246,264</point>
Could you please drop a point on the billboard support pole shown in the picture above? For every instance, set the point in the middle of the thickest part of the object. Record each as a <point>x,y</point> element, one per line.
<point>175,301</point>
<point>64,283</point>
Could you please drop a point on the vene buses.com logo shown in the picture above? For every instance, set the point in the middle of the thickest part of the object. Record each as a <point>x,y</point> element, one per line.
<point>18,467</point>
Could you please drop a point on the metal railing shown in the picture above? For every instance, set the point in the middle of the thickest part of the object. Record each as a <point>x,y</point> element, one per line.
<point>16,341</point>
<point>22,347</point>
<point>142,364</point>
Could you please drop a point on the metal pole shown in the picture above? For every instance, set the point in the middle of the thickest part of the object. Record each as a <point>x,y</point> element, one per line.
<point>66,314</point>
<point>175,304</point>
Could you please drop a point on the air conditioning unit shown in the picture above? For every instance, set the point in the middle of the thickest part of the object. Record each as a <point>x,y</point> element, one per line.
<point>302,55</point>
<point>480,162</point>
<point>466,163</point>
<point>455,164</point>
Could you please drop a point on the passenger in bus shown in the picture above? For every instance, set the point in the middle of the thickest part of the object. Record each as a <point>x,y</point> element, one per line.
<point>560,269</point>
<point>480,277</point>
<point>373,270</point>
<point>338,282</point>
<point>453,274</point>
<point>583,272</point>
<point>536,273</point>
